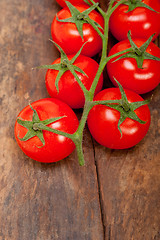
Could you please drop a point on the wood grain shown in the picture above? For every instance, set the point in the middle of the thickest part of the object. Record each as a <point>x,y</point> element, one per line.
<point>130,187</point>
<point>129,181</point>
<point>115,196</point>
<point>38,201</point>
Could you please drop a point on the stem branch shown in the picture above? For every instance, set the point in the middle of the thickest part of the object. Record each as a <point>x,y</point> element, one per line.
<point>112,9</point>
<point>78,80</point>
<point>95,27</point>
<point>77,137</point>
<point>99,8</point>
<point>40,126</point>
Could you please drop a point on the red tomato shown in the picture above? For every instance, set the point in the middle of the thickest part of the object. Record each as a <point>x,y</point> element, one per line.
<point>103,121</point>
<point>69,90</point>
<point>67,36</point>
<point>141,21</point>
<point>127,72</point>
<point>56,146</point>
<point>62,3</point>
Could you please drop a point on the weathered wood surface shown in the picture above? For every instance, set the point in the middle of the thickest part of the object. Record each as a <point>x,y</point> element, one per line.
<point>115,196</point>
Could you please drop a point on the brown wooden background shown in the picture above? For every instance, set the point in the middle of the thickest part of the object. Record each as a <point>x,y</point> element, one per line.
<point>115,196</point>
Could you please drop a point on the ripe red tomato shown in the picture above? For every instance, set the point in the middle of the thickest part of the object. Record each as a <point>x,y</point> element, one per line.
<point>62,3</point>
<point>56,146</point>
<point>127,73</point>
<point>141,21</point>
<point>69,90</point>
<point>103,121</point>
<point>68,38</point>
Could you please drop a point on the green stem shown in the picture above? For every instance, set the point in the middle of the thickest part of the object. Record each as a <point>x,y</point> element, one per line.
<point>78,135</point>
<point>40,126</point>
<point>78,80</point>
<point>133,1</point>
<point>87,108</point>
<point>118,54</point>
<point>80,154</point>
<point>104,59</point>
<point>104,54</point>
<point>125,106</point>
<point>110,5</point>
<point>105,40</point>
<point>99,9</point>
<point>76,138</point>
<point>112,9</point>
<point>105,102</point>
<point>89,95</point>
<point>95,27</point>
<point>98,74</point>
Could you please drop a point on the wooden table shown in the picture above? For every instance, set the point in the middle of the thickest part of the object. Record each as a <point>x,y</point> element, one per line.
<point>115,196</point>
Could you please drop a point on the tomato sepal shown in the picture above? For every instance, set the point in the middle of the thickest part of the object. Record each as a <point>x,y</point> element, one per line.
<point>66,65</point>
<point>35,126</point>
<point>87,2</point>
<point>133,4</point>
<point>79,18</point>
<point>123,106</point>
<point>138,53</point>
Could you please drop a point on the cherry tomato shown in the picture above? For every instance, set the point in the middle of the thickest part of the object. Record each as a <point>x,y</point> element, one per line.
<point>126,71</point>
<point>141,21</point>
<point>103,121</point>
<point>67,36</point>
<point>56,146</point>
<point>69,90</point>
<point>62,3</point>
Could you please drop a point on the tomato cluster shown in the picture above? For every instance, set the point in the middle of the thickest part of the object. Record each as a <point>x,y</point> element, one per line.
<point>47,130</point>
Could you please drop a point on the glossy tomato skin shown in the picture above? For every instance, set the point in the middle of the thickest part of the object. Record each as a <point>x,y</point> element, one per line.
<point>67,36</point>
<point>103,121</point>
<point>56,146</point>
<point>127,72</point>
<point>62,3</point>
<point>142,22</point>
<point>69,90</point>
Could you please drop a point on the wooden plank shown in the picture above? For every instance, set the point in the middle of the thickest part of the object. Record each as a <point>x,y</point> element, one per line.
<point>130,188</point>
<point>61,201</point>
<point>129,182</point>
<point>38,201</point>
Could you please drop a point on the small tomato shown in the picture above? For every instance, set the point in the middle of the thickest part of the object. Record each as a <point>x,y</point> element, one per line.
<point>66,35</point>
<point>45,146</point>
<point>69,90</point>
<point>103,121</point>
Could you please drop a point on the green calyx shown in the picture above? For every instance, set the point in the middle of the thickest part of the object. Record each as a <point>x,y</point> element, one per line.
<point>123,106</point>
<point>132,4</point>
<point>79,18</point>
<point>86,1</point>
<point>36,126</point>
<point>138,53</point>
<point>65,65</point>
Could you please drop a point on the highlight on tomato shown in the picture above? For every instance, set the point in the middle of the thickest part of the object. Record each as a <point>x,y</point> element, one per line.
<point>142,18</point>
<point>38,127</point>
<point>71,28</point>
<point>121,124</point>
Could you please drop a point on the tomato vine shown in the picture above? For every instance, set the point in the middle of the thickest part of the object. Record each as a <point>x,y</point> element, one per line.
<point>123,106</point>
